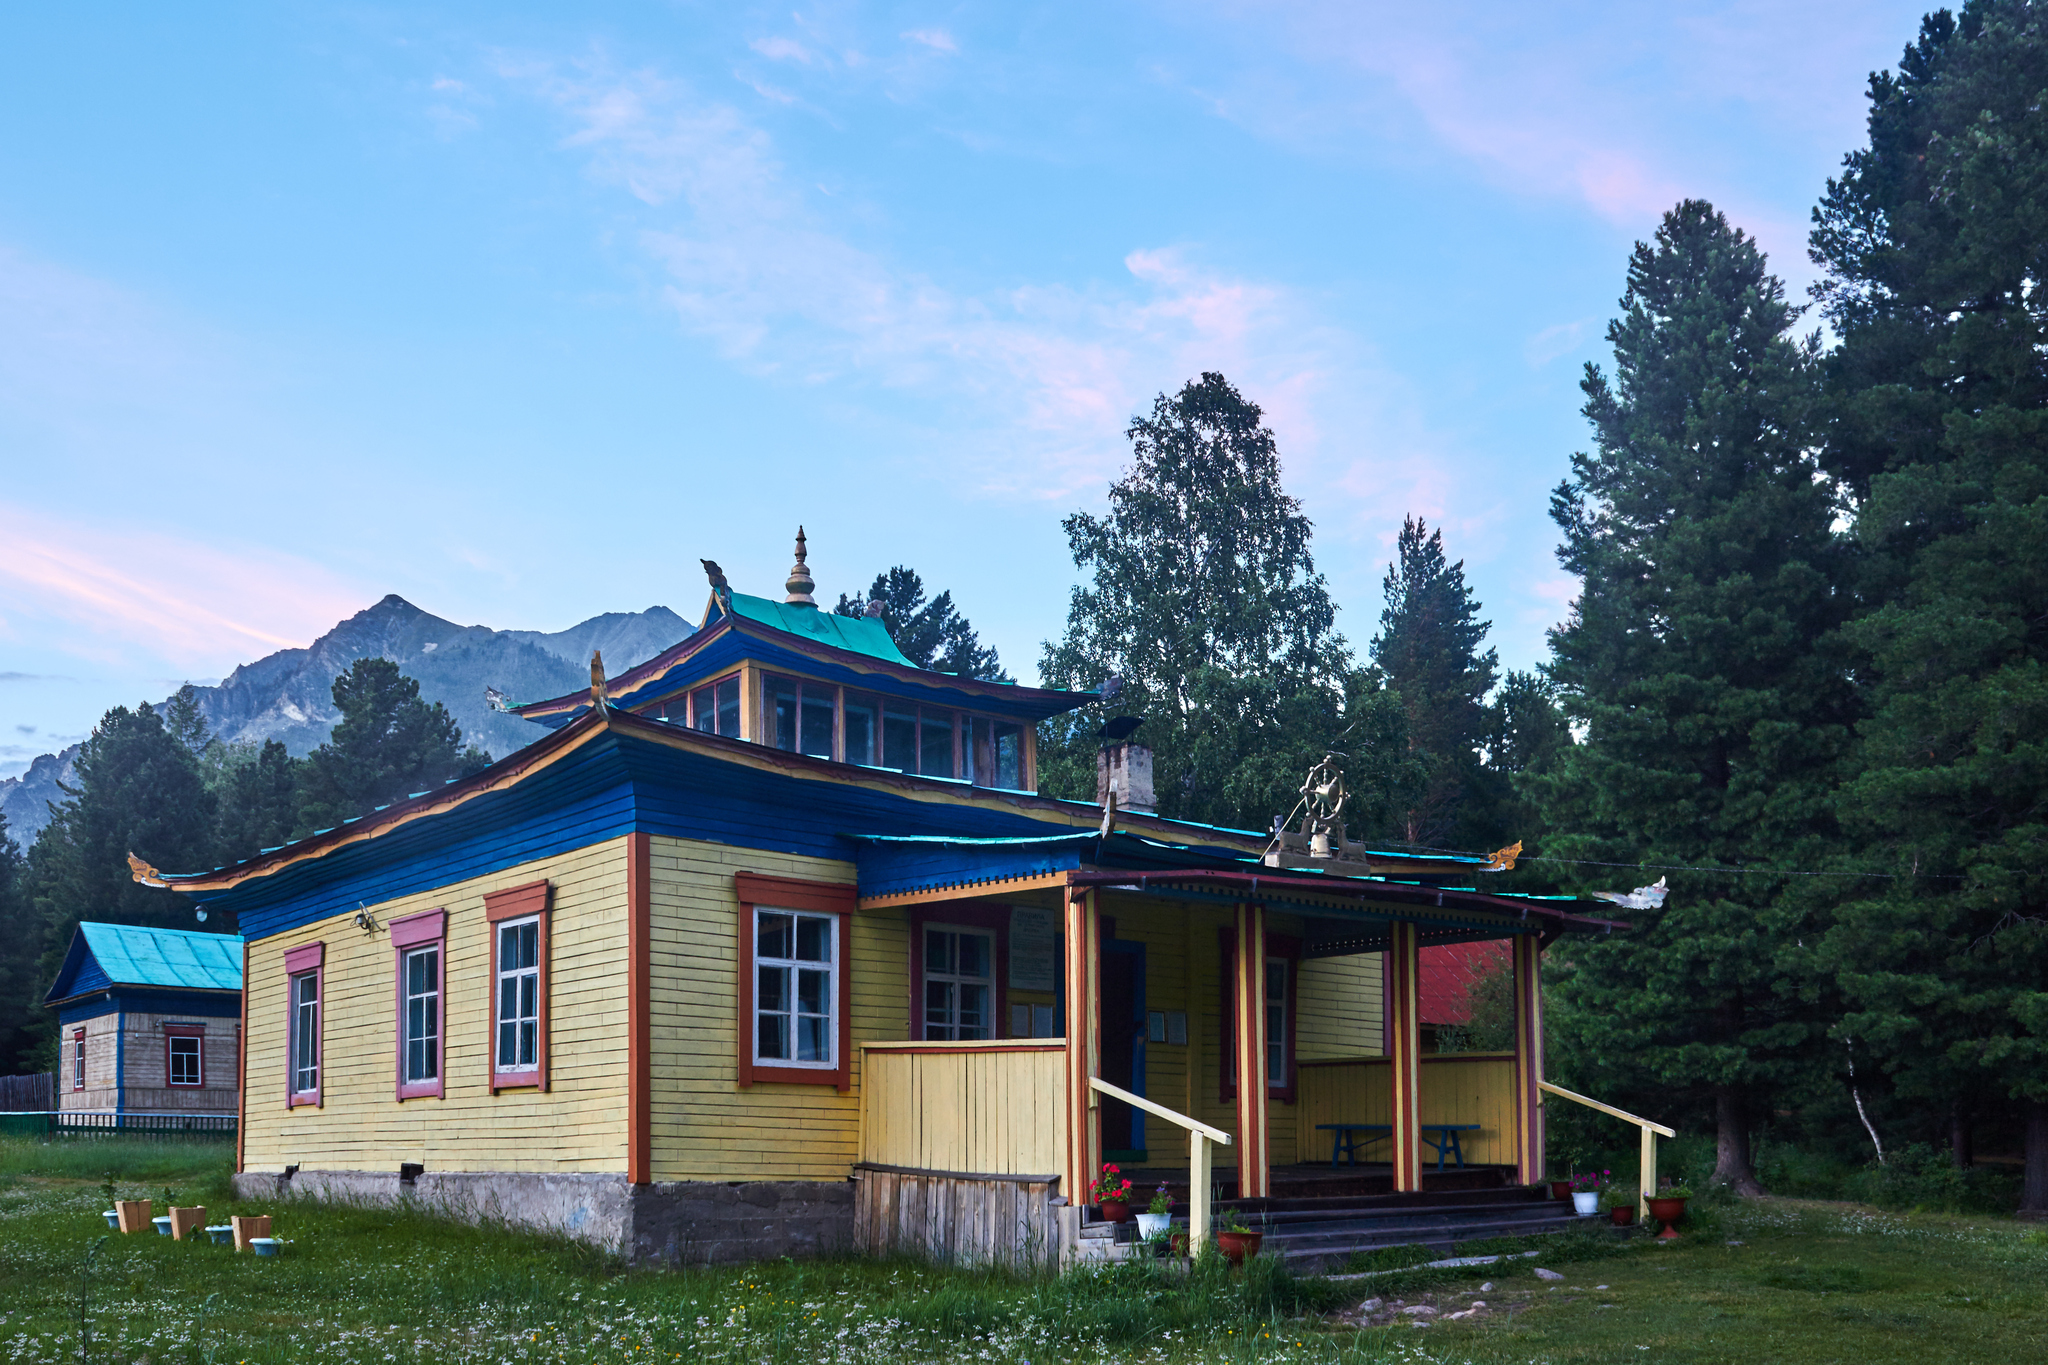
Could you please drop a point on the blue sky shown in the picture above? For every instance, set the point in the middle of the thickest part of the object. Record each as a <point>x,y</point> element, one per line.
<point>519,310</point>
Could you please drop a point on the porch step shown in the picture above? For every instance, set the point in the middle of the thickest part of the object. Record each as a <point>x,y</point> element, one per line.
<point>1322,1233</point>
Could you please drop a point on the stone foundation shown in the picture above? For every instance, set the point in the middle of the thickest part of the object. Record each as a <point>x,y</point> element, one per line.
<point>671,1223</point>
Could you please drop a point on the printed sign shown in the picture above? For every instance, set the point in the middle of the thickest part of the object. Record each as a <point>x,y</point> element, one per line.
<point>1034,949</point>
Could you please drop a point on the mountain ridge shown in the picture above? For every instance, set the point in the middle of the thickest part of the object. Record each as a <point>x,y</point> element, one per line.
<point>288,696</point>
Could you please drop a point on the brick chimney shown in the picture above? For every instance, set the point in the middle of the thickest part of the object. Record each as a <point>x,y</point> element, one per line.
<point>1125,767</point>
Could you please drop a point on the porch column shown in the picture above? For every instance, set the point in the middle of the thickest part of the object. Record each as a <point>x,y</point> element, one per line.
<point>1248,1000</point>
<point>1404,963</point>
<point>1084,1053</point>
<point>1528,969</point>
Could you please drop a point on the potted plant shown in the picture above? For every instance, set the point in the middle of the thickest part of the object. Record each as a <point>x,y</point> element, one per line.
<point>1586,1193</point>
<point>1237,1241</point>
<point>1667,1206</point>
<point>1112,1194</point>
<point>1560,1187</point>
<point>1158,1215</point>
<point>1620,1203</point>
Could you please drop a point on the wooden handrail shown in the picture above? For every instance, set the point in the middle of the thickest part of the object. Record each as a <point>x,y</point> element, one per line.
<point>1623,1114</point>
<point>1215,1135</point>
<point>968,1045</point>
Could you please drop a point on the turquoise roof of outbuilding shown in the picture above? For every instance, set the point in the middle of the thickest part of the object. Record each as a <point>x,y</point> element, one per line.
<point>132,955</point>
<point>861,634</point>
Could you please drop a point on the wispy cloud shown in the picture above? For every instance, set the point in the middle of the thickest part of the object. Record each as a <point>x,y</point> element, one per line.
<point>936,39</point>
<point>757,262</point>
<point>129,590</point>
<point>1559,340</point>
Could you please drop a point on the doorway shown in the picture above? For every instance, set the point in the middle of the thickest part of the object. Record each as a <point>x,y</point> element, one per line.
<point>1123,1049</point>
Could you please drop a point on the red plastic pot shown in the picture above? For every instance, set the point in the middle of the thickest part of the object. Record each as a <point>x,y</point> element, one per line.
<point>1115,1210</point>
<point>1560,1189</point>
<point>1236,1246</point>
<point>1667,1212</point>
<point>1623,1216</point>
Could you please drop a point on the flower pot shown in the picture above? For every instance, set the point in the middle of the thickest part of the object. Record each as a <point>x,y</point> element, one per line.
<point>163,1225</point>
<point>1622,1216</point>
<point>1586,1202</point>
<point>1179,1242</point>
<point>264,1246</point>
<point>1560,1189</point>
<point>1238,1246</point>
<point>1150,1225</point>
<point>223,1234</point>
<point>1115,1211</point>
<point>1667,1212</point>
<point>113,1217</point>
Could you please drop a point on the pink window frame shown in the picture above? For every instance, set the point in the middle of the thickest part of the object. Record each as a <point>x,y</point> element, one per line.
<point>306,960</point>
<point>429,928</point>
<point>78,1059</point>
<point>184,1031</point>
<point>530,901</point>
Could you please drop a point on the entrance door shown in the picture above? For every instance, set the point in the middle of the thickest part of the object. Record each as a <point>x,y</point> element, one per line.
<point>1123,1049</point>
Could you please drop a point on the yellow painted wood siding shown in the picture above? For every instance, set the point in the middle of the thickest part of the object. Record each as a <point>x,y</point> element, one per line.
<point>972,1112</point>
<point>705,1127</point>
<point>1342,1007</point>
<point>1458,1088</point>
<point>577,1125</point>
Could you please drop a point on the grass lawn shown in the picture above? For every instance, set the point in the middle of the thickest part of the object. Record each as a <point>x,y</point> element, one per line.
<point>1807,1282</point>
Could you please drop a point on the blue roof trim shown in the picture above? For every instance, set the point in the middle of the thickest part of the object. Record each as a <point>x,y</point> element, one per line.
<point>140,1000</point>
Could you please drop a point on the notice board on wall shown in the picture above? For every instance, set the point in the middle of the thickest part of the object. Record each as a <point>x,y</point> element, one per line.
<point>1034,949</point>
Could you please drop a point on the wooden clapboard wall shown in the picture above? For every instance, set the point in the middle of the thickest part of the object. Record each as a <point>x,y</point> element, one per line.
<point>577,1125</point>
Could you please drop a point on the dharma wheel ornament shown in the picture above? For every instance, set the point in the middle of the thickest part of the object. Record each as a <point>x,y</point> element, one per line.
<point>1322,799</point>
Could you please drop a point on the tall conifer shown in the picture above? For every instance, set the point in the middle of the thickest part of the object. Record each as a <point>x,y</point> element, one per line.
<point>1936,242</point>
<point>1703,540</point>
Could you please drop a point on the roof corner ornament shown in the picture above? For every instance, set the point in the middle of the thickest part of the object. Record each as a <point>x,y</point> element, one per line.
<point>800,581</point>
<point>1649,897</point>
<point>721,589</point>
<point>144,873</point>
<point>597,684</point>
<point>873,610</point>
<point>1503,859</point>
<point>494,700</point>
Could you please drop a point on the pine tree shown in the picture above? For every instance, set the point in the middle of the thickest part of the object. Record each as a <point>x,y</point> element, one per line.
<point>258,802</point>
<point>1204,599</point>
<point>1712,721</point>
<point>1429,646</point>
<point>387,746</point>
<point>1935,239</point>
<point>932,634</point>
<point>22,1020</point>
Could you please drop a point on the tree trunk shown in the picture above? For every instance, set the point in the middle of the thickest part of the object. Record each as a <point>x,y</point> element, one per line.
<point>2034,1201</point>
<point>1731,1142</point>
<point>1960,1148</point>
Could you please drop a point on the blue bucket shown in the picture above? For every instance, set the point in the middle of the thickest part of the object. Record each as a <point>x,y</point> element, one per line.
<point>265,1246</point>
<point>113,1218</point>
<point>163,1225</point>
<point>223,1234</point>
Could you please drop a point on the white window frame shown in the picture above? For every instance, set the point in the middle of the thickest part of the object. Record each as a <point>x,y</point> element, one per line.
<point>1276,1021</point>
<point>305,1034</point>
<point>828,968</point>
<point>499,1020</point>
<point>198,1061</point>
<point>431,994</point>
<point>955,979</point>
<point>78,1059</point>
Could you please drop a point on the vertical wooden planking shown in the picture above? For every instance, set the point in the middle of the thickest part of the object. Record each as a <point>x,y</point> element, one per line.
<point>1404,1007</point>
<point>639,1042</point>
<point>1527,967</point>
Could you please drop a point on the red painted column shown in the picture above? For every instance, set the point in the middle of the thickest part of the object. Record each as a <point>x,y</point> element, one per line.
<point>1404,963</point>
<point>1248,1003</point>
<point>1528,968</point>
<point>1083,967</point>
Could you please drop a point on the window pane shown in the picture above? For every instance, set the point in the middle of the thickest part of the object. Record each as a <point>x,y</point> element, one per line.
<point>1009,745</point>
<point>1276,979</point>
<point>813,939</point>
<point>529,993</point>
<point>938,951</point>
<point>529,1039</point>
<point>935,751</point>
<point>863,720</point>
<point>817,721</point>
<point>814,993</point>
<point>774,939</point>
<point>938,1009</point>
<point>729,708</point>
<point>529,944</point>
<point>774,1038</point>
<point>704,710</point>
<point>778,697</point>
<point>973,1011</point>
<point>813,1046</point>
<point>973,955</point>
<point>508,1043</point>
<point>899,738</point>
<point>773,992</point>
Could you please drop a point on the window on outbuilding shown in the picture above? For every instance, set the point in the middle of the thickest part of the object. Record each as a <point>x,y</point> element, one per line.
<point>184,1056</point>
<point>78,1059</point>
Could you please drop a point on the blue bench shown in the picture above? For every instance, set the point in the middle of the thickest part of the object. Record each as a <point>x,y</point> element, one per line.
<point>1349,1137</point>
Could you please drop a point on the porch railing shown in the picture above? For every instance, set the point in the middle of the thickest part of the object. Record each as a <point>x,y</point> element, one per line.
<point>1200,1135</point>
<point>967,1108</point>
<point>1650,1133</point>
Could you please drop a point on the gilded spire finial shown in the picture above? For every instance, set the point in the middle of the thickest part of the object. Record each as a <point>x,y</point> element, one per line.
<point>800,582</point>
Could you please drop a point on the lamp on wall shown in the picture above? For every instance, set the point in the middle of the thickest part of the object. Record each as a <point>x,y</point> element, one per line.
<point>366,920</point>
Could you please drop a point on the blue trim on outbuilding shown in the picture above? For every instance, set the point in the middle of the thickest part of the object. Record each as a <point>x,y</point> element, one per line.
<point>203,1006</point>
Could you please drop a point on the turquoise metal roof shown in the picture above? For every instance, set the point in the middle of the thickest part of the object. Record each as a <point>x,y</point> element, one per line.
<point>861,634</point>
<point>130,955</point>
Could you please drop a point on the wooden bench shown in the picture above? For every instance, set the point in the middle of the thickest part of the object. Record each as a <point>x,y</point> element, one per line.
<point>1349,1137</point>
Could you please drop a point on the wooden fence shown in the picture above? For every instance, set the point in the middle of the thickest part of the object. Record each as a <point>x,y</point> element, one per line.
<point>965,1108</point>
<point>1453,1087</point>
<point>32,1093</point>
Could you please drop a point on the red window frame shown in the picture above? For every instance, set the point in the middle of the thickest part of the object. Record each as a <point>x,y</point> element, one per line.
<point>531,900</point>
<point>306,960</point>
<point>429,928</point>
<point>78,1059</point>
<point>993,918</point>
<point>1277,945</point>
<point>790,893</point>
<point>197,1031</point>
